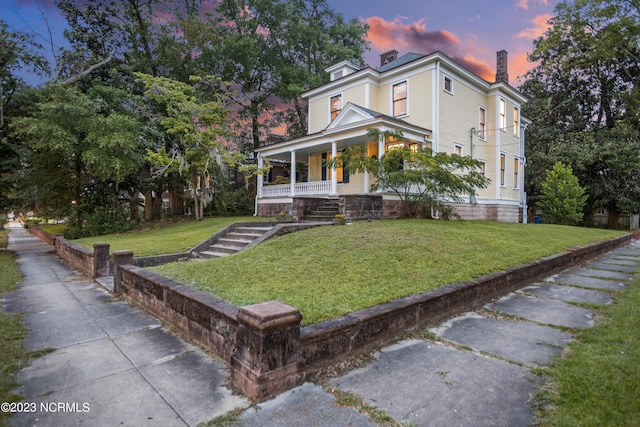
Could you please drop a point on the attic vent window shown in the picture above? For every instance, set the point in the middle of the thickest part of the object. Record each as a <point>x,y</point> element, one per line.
<point>337,74</point>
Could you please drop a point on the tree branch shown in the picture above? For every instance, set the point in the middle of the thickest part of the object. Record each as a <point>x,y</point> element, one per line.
<point>88,71</point>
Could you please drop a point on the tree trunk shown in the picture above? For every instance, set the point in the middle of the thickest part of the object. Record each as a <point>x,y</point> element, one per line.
<point>148,197</point>
<point>614,217</point>
<point>133,204</point>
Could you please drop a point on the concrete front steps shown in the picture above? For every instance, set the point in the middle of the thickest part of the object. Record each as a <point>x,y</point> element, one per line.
<point>234,241</point>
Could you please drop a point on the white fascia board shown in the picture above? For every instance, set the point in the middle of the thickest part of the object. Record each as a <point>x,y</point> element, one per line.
<point>357,78</point>
<point>508,92</point>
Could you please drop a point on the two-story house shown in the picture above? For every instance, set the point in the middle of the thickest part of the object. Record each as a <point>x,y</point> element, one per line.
<point>435,103</point>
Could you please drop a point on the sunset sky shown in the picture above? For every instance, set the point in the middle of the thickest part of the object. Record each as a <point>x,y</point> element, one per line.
<point>468,31</point>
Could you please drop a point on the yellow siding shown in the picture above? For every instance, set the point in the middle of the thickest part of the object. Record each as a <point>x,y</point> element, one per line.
<point>319,117</point>
<point>420,87</point>
<point>315,167</point>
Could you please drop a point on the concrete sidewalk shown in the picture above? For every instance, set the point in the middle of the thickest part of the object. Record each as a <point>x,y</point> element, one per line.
<point>127,370</point>
<point>111,364</point>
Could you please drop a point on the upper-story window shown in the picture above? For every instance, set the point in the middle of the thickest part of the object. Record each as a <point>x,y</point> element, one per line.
<point>457,149</point>
<point>336,106</point>
<point>482,123</point>
<point>400,99</point>
<point>503,114</point>
<point>516,121</point>
<point>448,84</point>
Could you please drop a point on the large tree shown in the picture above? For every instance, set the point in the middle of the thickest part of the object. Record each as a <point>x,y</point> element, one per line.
<point>17,51</point>
<point>271,51</point>
<point>81,149</point>
<point>584,104</point>
<point>197,128</point>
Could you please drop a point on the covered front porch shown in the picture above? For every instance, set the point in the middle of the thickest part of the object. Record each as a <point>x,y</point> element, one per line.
<point>303,161</point>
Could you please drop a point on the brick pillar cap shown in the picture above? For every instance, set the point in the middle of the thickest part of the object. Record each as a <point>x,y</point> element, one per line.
<point>123,252</point>
<point>100,245</point>
<point>269,315</point>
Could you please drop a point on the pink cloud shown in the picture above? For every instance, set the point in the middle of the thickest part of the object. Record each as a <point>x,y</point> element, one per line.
<point>525,4</point>
<point>385,35</point>
<point>541,25</point>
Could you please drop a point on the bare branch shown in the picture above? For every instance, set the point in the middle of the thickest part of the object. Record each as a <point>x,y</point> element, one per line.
<point>88,71</point>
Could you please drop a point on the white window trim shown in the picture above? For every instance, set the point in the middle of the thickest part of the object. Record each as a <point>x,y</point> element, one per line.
<point>483,167</point>
<point>393,85</point>
<point>516,124</point>
<point>446,77</point>
<point>502,116</point>
<point>483,135</point>
<point>341,104</point>
<point>502,175</point>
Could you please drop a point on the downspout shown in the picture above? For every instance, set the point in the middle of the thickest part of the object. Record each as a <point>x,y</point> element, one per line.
<point>523,194</point>
<point>435,113</point>
<point>435,118</point>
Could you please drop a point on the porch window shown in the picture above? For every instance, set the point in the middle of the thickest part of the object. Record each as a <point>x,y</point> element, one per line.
<point>336,106</point>
<point>341,173</point>
<point>400,99</point>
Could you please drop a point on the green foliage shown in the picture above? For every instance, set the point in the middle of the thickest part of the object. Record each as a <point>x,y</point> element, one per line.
<point>562,197</point>
<point>198,127</point>
<point>79,149</point>
<point>423,181</point>
<point>583,100</point>
<point>103,220</point>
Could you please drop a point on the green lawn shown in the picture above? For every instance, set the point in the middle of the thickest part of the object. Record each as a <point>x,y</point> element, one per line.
<point>166,239</point>
<point>330,271</point>
<point>597,381</point>
<point>12,354</point>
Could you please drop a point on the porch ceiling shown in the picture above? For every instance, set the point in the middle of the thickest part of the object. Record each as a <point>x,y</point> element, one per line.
<point>344,136</point>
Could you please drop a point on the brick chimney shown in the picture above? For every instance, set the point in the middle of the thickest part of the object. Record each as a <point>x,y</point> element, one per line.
<point>501,69</point>
<point>387,57</point>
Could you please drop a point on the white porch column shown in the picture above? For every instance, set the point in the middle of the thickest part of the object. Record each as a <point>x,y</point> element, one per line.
<point>260,176</point>
<point>366,182</point>
<point>334,175</point>
<point>292,173</point>
<point>380,146</point>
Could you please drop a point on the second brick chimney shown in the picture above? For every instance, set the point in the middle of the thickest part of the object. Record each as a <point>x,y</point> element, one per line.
<point>502,74</point>
<point>387,57</point>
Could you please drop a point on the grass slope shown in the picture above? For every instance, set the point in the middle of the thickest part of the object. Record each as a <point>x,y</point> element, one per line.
<point>329,271</point>
<point>164,240</point>
<point>597,381</point>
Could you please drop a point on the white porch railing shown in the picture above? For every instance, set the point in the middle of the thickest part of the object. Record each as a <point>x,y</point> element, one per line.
<point>300,189</point>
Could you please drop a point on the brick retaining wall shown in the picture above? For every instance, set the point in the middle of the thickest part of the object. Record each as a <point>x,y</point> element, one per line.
<point>92,263</point>
<point>43,235</point>
<point>274,352</point>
